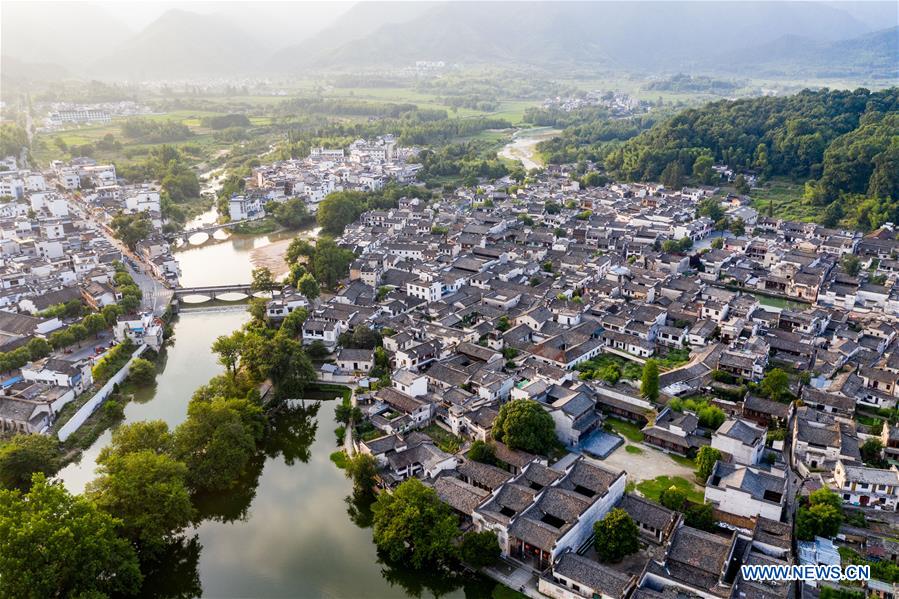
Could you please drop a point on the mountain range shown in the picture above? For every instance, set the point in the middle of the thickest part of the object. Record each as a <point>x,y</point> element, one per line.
<point>776,37</point>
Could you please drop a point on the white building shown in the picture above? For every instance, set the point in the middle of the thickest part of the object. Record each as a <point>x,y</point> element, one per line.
<point>746,491</point>
<point>867,487</point>
<point>145,330</point>
<point>740,439</point>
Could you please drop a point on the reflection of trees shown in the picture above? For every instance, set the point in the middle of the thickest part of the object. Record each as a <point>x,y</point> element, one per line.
<point>358,508</point>
<point>290,434</point>
<point>435,581</point>
<point>172,573</point>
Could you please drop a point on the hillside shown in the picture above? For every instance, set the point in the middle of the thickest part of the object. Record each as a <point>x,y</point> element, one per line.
<point>873,54</point>
<point>611,34</point>
<point>843,143</point>
<point>184,44</point>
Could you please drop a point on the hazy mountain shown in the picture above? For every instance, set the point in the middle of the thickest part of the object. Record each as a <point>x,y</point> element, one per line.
<point>873,54</point>
<point>184,44</point>
<point>363,19</point>
<point>623,34</point>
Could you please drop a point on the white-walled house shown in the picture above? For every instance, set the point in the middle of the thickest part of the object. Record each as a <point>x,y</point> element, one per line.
<point>746,491</point>
<point>743,441</point>
<point>62,373</point>
<point>867,487</point>
<point>542,513</point>
<point>143,330</point>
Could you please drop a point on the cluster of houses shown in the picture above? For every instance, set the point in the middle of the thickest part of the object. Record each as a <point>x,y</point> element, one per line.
<point>618,103</point>
<point>105,196</point>
<point>365,165</point>
<point>488,296</point>
<point>52,256</point>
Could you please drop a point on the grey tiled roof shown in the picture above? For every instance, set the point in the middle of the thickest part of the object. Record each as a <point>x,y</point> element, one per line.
<point>588,573</point>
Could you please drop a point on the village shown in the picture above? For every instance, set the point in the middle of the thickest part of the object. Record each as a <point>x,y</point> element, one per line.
<point>708,373</point>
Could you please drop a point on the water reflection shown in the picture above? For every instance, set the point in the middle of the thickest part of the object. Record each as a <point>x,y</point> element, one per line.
<point>174,574</point>
<point>290,436</point>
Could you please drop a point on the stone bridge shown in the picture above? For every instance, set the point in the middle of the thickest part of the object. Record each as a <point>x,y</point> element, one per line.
<point>212,291</point>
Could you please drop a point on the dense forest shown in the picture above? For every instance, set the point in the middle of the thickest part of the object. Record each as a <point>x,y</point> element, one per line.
<point>843,144</point>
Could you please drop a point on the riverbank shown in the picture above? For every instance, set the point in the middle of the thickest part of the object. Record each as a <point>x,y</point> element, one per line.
<point>523,147</point>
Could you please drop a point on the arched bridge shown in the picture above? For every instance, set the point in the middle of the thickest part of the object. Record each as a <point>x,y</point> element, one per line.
<point>210,229</point>
<point>212,291</point>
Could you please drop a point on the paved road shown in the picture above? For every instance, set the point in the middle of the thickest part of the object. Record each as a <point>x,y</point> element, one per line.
<point>156,296</point>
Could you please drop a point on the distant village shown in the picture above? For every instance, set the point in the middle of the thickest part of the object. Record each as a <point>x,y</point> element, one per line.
<point>363,166</point>
<point>530,291</point>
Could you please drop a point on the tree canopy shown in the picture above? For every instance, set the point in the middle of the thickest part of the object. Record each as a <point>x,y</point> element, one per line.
<point>524,424</point>
<point>56,544</point>
<point>615,536</point>
<point>413,524</point>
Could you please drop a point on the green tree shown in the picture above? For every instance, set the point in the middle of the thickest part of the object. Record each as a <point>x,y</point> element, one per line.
<point>851,264</point>
<point>263,280</point>
<point>702,169</point>
<point>872,452</point>
<point>482,452</point>
<point>331,262</point>
<point>339,209</point>
<point>649,382</point>
<point>673,498</point>
<point>299,248</point>
<point>413,525</point>
<point>673,175</point>
<point>142,372</point>
<point>776,384</point>
<point>78,331</point>
<point>718,243</point>
<point>615,536</point>
<point>228,349</point>
<point>111,313</point>
<point>291,214</point>
<point>292,325</point>
<point>148,435</point>
<point>60,545</point>
<point>23,456</point>
<point>479,549</point>
<point>147,491</point>
<point>822,517</point>
<point>524,424</point>
<point>741,185</point>
<point>129,303</point>
<point>706,459</point>
<point>610,373</point>
<point>711,208</point>
<point>95,323</point>
<point>308,286</point>
<point>38,348</point>
<point>362,469</point>
<point>701,516</point>
<point>291,369</point>
<point>217,441</point>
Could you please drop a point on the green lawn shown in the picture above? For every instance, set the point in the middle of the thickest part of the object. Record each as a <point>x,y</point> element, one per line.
<point>633,449</point>
<point>651,489</point>
<point>787,198</point>
<point>628,430</point>
<point>444,439</point>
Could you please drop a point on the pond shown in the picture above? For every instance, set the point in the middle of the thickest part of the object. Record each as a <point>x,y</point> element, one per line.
<point>287,530</point>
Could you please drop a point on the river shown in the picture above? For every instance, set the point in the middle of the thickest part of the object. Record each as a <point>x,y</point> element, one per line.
<point>285,531</point>
<point>523,146</point>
